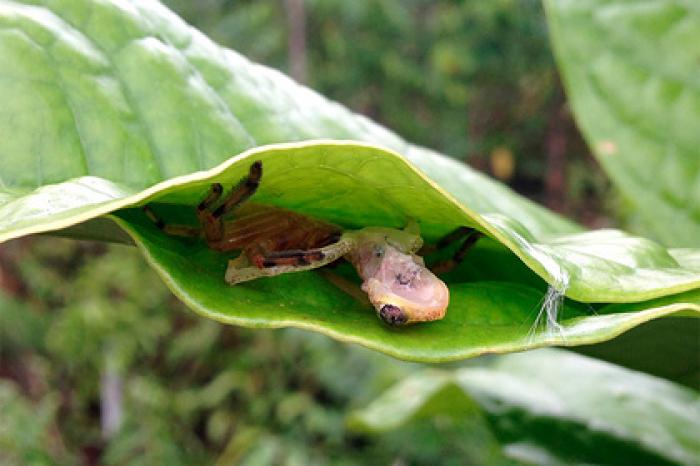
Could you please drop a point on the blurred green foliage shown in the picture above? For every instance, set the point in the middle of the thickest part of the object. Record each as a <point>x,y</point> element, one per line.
<point>470,79</point>
<point>193,390</point>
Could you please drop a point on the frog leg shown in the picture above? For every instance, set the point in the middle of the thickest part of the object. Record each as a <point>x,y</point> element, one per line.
<point>292,257</point>
<point>265,264</point>
<point>468,235</point>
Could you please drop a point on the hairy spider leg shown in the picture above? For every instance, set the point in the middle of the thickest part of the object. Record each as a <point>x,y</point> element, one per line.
<point>455,235</point>
<point>172,229</point>
<point>211,197</point>
<point>208,225</point>
<point>242,191</point>
<point>469,236</point>
<point>211,212</point>
<point>213,230</point>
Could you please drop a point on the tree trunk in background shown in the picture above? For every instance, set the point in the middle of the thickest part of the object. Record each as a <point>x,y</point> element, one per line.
<point>296,20</point>
<point>111,396</point>
<point>11,282</point>
<point>555,145</point>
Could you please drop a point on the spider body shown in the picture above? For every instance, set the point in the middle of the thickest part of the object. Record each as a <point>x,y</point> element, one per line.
<point>274,241</point>
<point>260,231</point>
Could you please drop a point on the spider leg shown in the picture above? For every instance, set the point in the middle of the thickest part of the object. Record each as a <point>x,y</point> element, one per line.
<point>213,227</point>
<point>212,196</point>
<point>260,263</point>
<point>174,230</point>
<point>454,236</point>
<point>242,191</point>
<point>210,214</point>
<point>470,237</point>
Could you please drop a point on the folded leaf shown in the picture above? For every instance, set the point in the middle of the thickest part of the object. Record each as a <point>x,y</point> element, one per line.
<point>110,105</point>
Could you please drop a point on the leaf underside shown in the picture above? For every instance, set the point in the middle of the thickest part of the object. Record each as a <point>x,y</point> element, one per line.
<point>111,105</point>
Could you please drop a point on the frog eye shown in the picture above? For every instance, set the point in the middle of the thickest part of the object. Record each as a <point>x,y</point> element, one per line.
<point>378,251</point>
<point>392,315</point>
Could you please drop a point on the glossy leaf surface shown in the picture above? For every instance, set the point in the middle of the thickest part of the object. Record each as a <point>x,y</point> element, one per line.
<point>554,407</point>
<point>631,72</point>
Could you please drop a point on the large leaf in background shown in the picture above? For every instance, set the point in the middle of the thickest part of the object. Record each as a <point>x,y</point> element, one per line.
<point>108,105</point>
<point>631,71</point>
<point>667,348</point>
<point>127,92</point>
<point>554,407</point>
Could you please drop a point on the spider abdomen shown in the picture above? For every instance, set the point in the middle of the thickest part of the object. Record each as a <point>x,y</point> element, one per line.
<point>259,230</point>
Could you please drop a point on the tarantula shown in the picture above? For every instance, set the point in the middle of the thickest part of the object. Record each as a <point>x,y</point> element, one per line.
<point>273,241</point>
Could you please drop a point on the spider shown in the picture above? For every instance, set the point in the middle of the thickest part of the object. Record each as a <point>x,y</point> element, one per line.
<point>273,241</point>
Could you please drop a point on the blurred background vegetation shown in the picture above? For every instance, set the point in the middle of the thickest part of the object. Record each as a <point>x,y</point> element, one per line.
<point>99,363</point>
<point>474,80</point>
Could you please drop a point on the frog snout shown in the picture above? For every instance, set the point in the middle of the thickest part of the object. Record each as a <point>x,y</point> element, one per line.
<point>392,315</point>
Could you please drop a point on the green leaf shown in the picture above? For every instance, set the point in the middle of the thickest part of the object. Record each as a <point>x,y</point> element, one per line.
<point>111,105</point>
<point>484,316</point>
<point>630,69</point>
<point>28,427</point>
<point>554,407</point>
<point>663,347</point>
